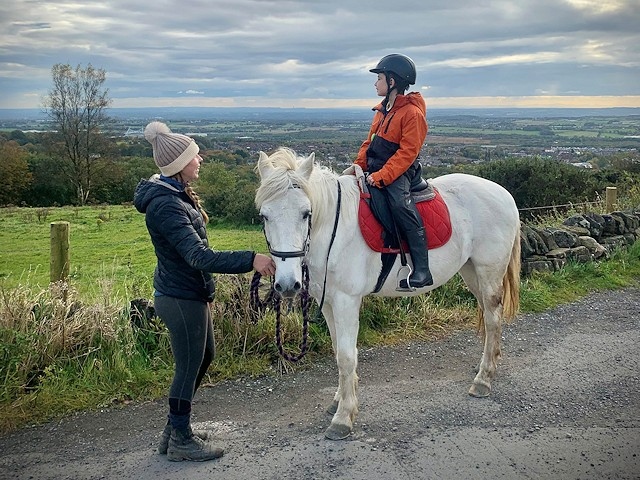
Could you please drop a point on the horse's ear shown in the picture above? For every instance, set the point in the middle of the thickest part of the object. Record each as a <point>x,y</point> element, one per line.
<point>306,167</point>
<point>264,165</point>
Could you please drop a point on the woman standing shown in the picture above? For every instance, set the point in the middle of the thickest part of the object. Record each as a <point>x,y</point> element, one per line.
<point>182,280</point>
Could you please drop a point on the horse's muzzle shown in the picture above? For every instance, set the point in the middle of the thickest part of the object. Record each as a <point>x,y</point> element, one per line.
<point>287,289</point>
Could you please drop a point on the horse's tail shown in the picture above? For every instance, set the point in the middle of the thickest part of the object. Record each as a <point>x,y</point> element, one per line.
<point>511,282</point>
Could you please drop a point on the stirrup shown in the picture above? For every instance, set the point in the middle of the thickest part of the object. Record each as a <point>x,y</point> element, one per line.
<point>398,279</point>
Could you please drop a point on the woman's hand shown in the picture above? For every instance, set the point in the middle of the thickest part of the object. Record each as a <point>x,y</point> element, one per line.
<point>264,265</point>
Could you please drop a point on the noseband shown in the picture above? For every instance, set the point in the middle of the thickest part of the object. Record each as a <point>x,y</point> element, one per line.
<point>295,253</point>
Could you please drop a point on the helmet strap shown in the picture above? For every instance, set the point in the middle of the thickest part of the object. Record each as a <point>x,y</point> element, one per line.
<point>388,107</point>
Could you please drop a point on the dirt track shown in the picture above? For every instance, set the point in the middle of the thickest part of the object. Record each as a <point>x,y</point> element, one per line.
<point>565,405</point>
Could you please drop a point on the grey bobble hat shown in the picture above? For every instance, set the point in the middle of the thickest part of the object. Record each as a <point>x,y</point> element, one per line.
<point>171,151</point>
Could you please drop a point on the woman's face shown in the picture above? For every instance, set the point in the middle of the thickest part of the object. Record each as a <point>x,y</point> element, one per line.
<point>192,170</point>
<point>381,85</point>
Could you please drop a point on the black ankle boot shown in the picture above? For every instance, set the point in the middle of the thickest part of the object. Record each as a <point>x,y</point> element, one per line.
<point>184,445</point>
<point>163,445</point>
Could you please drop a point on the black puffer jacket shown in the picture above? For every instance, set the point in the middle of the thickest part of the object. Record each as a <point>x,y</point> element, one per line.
<point>179,236</point>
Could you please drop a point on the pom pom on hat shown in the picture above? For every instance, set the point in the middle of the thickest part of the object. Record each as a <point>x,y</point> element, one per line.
<point>153,129</point>
<point>171,151</point>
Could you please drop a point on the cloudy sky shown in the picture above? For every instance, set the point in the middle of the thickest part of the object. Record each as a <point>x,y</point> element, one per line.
<point>317,53</point>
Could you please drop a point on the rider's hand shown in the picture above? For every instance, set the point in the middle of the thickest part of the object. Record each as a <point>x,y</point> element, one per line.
<point>372,182</point>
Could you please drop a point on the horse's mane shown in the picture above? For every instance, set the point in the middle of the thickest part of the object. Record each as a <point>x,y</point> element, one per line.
<point>285,163</point>
<point>320,187</point>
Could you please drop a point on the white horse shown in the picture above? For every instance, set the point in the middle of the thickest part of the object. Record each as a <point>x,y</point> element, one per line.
<point>298,202</point>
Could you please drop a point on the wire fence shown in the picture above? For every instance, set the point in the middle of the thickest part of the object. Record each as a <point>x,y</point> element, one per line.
<point>599,203</point>
<point>606,204</point>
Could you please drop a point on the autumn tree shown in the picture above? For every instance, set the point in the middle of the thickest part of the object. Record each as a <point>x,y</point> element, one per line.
<point>228,192</point>
<point>14,171</point>
<point>626,161</point>
<point>76,107</point>
<point>537,182</point>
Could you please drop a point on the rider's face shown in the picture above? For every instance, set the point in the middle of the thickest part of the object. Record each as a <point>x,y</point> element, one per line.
<point>381,85</point>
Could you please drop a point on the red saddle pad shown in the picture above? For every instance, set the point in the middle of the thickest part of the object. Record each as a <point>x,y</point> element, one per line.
<point>435,216</point>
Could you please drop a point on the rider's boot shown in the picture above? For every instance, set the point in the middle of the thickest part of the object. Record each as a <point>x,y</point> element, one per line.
<point>421,275</point>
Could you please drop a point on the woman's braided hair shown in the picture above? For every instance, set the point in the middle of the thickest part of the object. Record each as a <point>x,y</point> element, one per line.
<point>188,189</point>
<point>196,200</point>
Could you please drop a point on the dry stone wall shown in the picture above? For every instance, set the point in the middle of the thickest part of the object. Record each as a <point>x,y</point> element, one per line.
<point>582,238</point>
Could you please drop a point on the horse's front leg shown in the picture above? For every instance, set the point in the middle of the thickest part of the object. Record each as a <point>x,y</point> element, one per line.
<point>327,312</point>
<point>345,313</point>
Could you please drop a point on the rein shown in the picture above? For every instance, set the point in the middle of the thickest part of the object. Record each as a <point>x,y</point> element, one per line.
<point>333,237</point>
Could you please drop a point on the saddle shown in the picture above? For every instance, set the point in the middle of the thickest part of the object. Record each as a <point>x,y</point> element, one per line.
<point>378,228</point>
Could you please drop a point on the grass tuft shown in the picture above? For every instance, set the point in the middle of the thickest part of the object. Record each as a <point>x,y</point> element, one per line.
<point>58,355</point>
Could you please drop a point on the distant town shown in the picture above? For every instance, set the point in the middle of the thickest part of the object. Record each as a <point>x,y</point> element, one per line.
<point>575,136</point>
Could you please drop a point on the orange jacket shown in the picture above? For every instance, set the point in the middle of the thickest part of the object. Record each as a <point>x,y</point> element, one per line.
<point>400,136</point>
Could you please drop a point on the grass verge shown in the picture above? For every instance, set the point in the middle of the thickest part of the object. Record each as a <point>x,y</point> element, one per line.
<point>61,356</point>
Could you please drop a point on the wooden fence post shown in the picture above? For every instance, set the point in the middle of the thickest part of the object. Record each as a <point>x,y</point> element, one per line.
<point>59,264</point>
<point>611,199</point>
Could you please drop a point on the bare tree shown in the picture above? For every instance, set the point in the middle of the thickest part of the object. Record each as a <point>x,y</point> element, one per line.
<point>76,106</point>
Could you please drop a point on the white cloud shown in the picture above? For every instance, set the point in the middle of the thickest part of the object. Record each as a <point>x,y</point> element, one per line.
<point>299,51</point>
<point>598,6</point>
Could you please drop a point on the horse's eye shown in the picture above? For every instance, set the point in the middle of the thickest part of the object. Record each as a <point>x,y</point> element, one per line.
<point>306,215</point>
<point>263,218</point>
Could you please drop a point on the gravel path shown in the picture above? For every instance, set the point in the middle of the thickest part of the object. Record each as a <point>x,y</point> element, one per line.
<point>565,405</point>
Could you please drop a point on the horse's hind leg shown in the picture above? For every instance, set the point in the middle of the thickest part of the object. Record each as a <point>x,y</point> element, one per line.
<point>345,314</point>
<point>468,274</point>
<point>484,284</point>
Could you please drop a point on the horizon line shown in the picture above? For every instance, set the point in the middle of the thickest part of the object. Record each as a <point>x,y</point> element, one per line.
<point>537,101</point>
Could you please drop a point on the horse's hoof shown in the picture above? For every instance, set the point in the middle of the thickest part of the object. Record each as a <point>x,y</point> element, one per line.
<point>480,390</point>
<point>333,408</point>
<point>337,432</point>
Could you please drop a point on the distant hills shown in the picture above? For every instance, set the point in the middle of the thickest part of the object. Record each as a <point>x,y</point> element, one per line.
<point>320,114</point>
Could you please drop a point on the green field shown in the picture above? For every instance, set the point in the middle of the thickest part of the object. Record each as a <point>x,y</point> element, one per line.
<point>109,247</point>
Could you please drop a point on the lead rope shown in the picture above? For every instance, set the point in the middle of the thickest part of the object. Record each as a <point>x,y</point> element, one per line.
<point>259,306</point>
<point>304,305</point>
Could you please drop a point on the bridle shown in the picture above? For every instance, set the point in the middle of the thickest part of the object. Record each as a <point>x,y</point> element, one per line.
<point>259,306</point>
<point>305,247</point>
<point>295,253</point>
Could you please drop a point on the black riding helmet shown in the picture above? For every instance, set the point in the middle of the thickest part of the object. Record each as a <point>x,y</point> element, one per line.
<point>399,64</point>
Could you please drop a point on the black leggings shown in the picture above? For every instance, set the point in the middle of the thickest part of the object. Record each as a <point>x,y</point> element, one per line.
<point>191,330</point>
<point>403,208</point>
